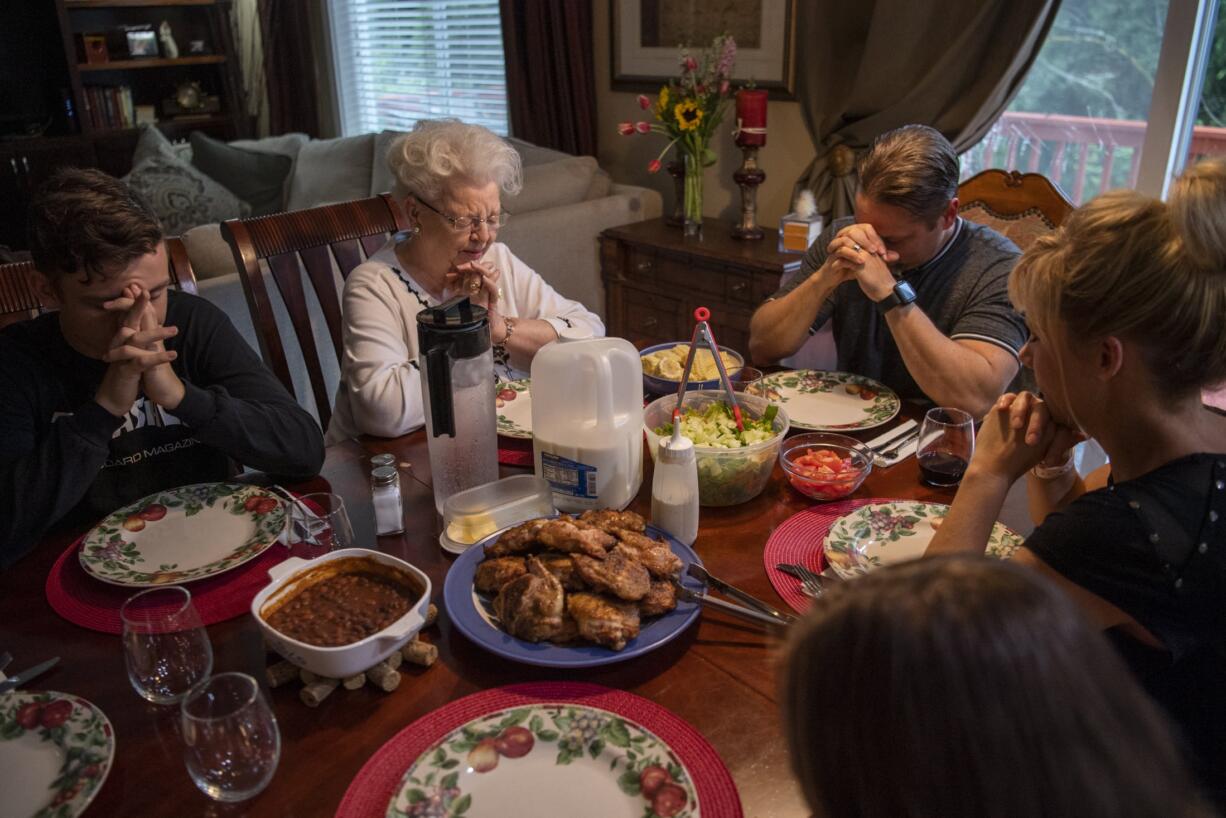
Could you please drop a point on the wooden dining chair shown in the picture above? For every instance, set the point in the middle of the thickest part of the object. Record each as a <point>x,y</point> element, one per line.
<point>19,302</point>
<point>1022,206</point>
<point>310,242</point>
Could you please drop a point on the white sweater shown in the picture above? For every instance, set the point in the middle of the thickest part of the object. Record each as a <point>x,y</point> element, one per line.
<point>380,387</point>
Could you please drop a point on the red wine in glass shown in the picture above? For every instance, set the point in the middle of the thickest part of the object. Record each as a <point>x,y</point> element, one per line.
<point>941,469</point>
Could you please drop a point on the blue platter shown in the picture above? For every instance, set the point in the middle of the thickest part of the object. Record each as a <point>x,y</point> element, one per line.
<point>663,386</point>
<point>462,604</point>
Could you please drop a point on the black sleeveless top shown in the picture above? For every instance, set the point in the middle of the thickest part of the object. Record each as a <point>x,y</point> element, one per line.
<point>1155,547</point>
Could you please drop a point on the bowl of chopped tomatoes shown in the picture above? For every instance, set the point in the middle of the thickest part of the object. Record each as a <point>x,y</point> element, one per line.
<point>824,465</point>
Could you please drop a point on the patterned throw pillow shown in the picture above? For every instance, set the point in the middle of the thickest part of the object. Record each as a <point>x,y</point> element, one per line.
<point>182,196</point>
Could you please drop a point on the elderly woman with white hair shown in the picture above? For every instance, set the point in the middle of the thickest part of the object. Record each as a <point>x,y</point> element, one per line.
<point>448,176</point>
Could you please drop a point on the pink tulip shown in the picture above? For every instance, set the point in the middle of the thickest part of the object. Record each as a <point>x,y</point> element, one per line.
<point>644,102</point>
<point>625,128</point>
<point>642,127</point>
<point>654,166</point>
<point>723,88</point>
<point>691,64</point>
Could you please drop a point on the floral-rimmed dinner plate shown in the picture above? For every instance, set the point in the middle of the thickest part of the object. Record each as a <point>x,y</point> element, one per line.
<point>513,401</point>
<point>55,752</point>
<point>473,615</point>
<point>183,534</point>
<point>830,401</point>
<point>884,533</point>
<point>548,759</point>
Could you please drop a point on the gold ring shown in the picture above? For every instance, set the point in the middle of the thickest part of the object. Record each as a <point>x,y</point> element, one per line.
<point>475,287</point>
<point>855,247</point>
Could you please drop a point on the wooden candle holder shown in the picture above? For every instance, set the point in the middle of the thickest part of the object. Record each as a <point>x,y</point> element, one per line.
<point>748,177</point>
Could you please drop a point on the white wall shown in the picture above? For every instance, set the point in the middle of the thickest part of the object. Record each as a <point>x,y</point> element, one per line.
<point>788,145</point>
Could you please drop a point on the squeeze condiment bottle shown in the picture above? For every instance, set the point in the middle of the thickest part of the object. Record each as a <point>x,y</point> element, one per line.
<point>674,489</point>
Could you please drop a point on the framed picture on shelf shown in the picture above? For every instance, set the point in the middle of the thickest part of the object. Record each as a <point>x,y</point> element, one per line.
<point>645,35</point>
<point>142,42</point>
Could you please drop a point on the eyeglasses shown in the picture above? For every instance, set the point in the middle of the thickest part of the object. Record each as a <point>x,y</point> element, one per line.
<point>465,224</point>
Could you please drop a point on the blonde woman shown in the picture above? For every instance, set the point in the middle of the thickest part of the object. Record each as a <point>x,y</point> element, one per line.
<point>1125,305</point>
<point>448,176</point>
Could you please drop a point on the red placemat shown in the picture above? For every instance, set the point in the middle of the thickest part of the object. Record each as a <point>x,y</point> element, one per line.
<point>91,603</point>
<point>798,540</point>
<point>514,451</point>
<point>375,784</point>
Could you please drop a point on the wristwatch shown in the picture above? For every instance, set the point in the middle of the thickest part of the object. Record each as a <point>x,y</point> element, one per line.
<point>902,295</point>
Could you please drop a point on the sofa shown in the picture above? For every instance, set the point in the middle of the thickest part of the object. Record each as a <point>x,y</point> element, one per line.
<point>565,203</point>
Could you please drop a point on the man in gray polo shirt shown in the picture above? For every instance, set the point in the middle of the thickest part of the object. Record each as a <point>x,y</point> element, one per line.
<point>918,296</point>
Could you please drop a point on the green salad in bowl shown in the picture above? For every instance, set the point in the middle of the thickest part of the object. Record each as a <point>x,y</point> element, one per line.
<point>733,465</point>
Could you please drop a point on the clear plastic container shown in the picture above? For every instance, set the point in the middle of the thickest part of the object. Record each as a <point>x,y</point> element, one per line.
<point>726,477</point>
<point>472,515</point>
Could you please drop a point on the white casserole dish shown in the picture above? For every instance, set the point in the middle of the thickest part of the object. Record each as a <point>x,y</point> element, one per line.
<point>343,660</point>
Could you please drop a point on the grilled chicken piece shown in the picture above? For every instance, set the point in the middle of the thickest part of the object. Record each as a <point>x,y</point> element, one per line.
<point>607,520</point>
<point>562,566</point>
<point>565,536</point>
<point>569,632</point>
<point>492,574</point>
<point>661,599</point>
<point>620,573</point>
<point>602,620</point>
<point>659,559</point>
<point>518,540</point>
<point>531,606</point>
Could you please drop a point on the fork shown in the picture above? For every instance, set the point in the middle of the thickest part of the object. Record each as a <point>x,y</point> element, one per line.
<point>885,454</point>
<point>810,583</point>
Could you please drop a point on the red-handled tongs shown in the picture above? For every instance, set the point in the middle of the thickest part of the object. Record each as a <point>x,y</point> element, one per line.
<point>702,333</point>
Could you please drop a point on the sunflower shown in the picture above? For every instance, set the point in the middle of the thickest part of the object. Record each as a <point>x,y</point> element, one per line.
<point>662,103</point>
<point>689,115</point>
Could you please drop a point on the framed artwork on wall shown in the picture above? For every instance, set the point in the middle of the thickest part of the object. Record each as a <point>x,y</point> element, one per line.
<point>645,36</point>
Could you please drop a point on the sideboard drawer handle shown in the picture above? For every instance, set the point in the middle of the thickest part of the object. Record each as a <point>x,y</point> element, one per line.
<point>740,288</point>
<point>643,266</point>
<point>650,322</point>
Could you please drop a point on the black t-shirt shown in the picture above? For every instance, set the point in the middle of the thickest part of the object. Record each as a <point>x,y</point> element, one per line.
<point>1155,547</point>
<point>63,455</point>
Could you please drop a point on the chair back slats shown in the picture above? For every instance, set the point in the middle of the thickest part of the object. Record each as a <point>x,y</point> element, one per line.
<point>318,264</point>
<point>307,241</point>
<point>19,302</point>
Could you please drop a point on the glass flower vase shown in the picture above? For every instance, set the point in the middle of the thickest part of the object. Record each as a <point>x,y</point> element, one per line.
<point>693,194</point>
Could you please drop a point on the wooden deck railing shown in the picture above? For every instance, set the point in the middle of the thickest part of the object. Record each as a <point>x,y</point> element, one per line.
<point>1084,155</point>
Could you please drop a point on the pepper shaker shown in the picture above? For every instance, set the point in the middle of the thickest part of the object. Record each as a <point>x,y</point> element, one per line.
<point>389,510</point>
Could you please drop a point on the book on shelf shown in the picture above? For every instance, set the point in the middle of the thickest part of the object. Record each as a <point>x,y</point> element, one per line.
<point>110,107</point>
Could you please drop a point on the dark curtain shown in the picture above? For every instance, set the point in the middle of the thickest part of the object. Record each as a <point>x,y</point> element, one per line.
<point>551,79</point>
<point>871,66</point>
<point>289,67</point>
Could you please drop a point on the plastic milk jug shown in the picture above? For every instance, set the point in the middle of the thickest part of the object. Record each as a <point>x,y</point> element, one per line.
<point>587,420</point>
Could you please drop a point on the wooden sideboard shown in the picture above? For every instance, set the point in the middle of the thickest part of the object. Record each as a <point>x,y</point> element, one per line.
<point>654,278</point>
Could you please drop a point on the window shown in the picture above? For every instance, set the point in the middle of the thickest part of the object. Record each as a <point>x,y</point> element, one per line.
<point>399,61</point>
<point>1083,114</point>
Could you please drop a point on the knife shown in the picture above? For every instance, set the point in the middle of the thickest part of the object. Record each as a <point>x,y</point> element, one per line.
<point>27,674</point>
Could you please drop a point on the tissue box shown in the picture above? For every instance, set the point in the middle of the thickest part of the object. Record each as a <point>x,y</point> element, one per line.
<point>796,233</point>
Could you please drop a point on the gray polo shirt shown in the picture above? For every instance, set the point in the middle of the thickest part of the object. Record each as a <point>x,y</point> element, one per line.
<point>963,290</point>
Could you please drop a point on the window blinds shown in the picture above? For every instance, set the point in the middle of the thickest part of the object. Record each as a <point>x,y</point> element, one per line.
<point>398,61</point>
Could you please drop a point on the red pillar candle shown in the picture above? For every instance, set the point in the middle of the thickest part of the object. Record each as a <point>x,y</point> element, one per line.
<point>751,114</point>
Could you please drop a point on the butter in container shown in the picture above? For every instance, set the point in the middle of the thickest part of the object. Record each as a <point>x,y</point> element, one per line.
<point>472,515</point>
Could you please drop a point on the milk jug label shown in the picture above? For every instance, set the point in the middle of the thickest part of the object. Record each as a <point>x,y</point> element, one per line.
<point>569,476</point>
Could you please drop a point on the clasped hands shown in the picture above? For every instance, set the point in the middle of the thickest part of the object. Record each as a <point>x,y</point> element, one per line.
<point>137,356</point>
<point>857,252</point>
<point>479,281</point>
<point>1018,434</point>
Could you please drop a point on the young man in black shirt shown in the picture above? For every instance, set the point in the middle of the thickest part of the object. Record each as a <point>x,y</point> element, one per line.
<point>131,386</point>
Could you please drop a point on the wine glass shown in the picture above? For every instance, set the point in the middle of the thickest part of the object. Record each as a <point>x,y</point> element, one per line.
<point>230,737</point>
<point>946,443</point>
<point>318,524</point>
<point>165,646</point>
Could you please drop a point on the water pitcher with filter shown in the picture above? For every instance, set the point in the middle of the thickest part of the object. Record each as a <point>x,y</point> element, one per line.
<point>457,387</point>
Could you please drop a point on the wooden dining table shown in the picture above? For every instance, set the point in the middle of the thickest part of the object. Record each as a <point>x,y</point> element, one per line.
<point>721,675</point>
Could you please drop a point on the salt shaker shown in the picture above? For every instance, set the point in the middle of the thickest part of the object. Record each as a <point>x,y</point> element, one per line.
<point>389,512</point>
<point>674,489</point>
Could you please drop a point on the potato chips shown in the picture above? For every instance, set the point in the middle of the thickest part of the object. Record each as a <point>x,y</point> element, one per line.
<point>669,364</point>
